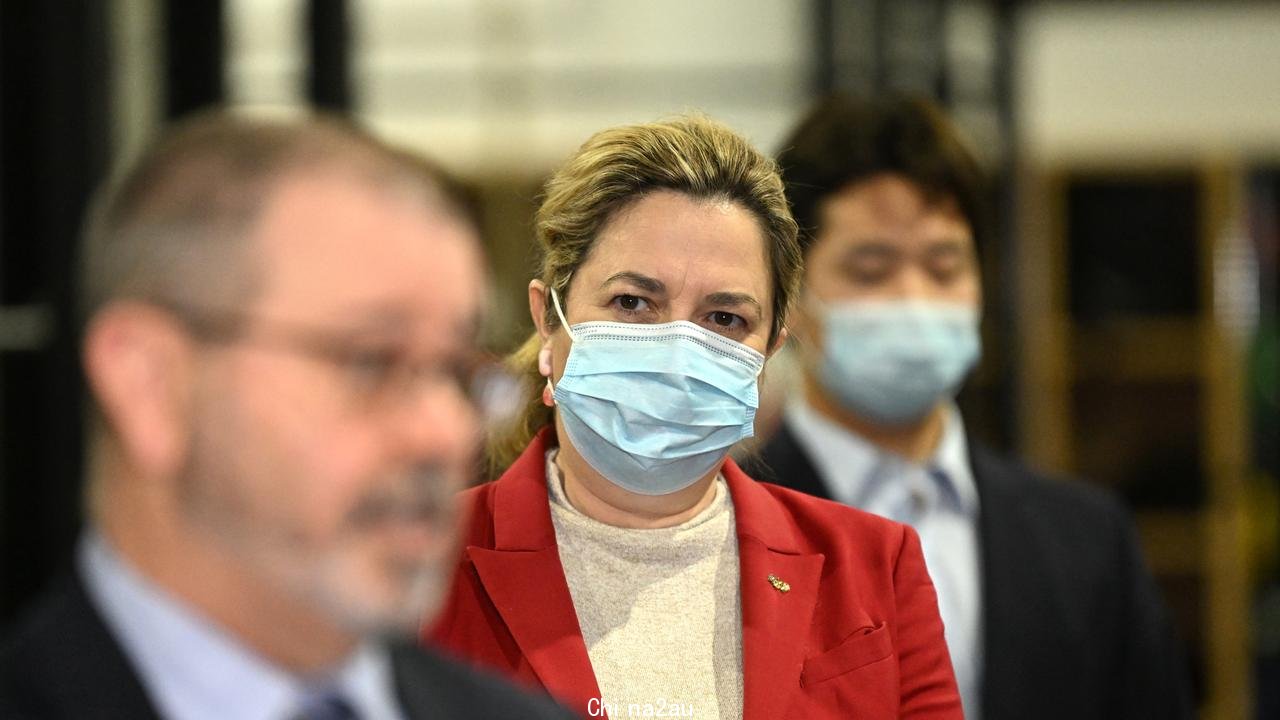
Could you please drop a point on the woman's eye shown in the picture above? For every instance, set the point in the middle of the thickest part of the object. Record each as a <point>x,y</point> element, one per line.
<point>727,320</point>
<point>631,303</point>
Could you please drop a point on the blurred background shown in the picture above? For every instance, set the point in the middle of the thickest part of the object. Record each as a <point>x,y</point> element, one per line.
<point>1131,291</point>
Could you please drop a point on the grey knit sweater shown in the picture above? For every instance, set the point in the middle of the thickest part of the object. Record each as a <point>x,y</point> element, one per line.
<point>659,609</point>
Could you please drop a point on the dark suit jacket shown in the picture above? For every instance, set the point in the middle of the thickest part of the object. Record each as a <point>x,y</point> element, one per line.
<point>61,661</point>
<point>1073,624</point>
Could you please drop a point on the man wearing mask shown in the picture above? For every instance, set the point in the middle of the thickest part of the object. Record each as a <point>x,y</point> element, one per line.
<point>1048,609</point>
<point>276,318</point>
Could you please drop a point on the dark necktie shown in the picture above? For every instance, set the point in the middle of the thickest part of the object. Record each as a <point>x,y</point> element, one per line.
<point>325,704</point>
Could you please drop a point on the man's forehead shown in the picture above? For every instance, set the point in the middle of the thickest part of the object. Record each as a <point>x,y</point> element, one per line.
<point>892,210</point>
<point>328,210</point>
<point>891,193</point>
<point>350,247</point>
<point>329,189</point>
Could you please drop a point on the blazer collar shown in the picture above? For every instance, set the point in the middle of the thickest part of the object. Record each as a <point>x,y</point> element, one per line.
<point>758,514</point>
<point>521,507</point>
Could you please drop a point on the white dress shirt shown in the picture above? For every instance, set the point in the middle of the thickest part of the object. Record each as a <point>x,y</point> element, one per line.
<point>194,670</point>
<point>937,498</point>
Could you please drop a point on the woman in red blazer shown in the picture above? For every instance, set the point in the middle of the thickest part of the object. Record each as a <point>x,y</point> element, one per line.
<point>622,561</point>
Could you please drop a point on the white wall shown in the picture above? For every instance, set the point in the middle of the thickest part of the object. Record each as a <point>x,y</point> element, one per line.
<point>515,85</point>
<point>265,54</point>
<point>1169,79</point>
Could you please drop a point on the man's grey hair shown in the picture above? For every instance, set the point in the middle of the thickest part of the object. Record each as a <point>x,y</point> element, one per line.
<point>174,229</point>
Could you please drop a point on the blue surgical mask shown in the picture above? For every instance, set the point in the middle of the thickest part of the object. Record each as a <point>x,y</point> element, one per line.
<point>653,408</point>
<point>892,361</point>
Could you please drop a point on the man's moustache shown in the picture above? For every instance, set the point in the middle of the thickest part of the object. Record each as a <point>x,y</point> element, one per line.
<point>422,494</point>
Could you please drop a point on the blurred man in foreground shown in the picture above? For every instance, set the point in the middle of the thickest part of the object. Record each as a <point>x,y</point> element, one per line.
<point>1048,608</point>
<point>276,318</point>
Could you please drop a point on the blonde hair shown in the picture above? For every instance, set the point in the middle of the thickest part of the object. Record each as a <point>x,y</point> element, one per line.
<point>613,169</point>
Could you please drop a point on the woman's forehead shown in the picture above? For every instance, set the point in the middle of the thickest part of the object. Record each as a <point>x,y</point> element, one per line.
<point>682,242</point>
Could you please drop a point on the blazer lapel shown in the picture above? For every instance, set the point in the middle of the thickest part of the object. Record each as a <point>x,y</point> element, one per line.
<point>1013,598</point>
<point>779,586</point>
<point>525,580</point>
<point>530,592</point>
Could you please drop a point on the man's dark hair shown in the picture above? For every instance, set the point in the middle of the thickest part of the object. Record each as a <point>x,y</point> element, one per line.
<point>843,141</point>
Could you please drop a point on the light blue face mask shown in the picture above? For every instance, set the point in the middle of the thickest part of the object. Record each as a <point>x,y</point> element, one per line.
<point>891,361</point>
<point>653,408</point>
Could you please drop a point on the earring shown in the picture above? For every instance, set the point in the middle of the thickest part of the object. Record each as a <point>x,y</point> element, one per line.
<point>548,396</point>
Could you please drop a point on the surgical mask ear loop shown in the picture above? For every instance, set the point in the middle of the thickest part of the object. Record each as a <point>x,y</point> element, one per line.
<point>544,355</point>
<point>555,300</point>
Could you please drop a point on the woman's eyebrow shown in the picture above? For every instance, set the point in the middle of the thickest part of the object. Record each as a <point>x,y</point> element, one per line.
<point>733,299</point>
<point>644,282</point>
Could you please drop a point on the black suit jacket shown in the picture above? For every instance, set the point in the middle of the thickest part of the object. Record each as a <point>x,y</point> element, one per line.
<point>61,661</point>
<point>1073,625</point>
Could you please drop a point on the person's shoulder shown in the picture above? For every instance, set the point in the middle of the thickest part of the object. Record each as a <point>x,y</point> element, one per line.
<point>40,631</point>
<point>23,654</point>
<point>59,660</point>
<point>436,686</point>
<point>1073,525</point>
<point>1008,481</point>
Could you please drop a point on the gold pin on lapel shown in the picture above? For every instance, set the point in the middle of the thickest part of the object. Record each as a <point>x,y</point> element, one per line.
<point>779,584</point>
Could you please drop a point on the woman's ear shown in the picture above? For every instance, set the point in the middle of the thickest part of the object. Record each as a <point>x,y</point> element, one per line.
<point>538,307</point>
<point>544,359</point>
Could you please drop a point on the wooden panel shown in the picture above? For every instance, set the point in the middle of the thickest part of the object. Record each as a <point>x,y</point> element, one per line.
<point>1225,449</point>
<point>1187,364</point>
<point>1138,349</point>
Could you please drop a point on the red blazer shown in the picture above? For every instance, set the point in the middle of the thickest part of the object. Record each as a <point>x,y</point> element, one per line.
<point>857,635</point>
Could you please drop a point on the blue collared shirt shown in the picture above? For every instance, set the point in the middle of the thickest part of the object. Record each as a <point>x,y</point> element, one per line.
<point>937,498</point>
<point>194,670</point>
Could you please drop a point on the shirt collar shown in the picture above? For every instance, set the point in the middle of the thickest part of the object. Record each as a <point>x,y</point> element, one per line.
<point>194,669</point>
<point>951,459</point>
<point>856,470</point>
